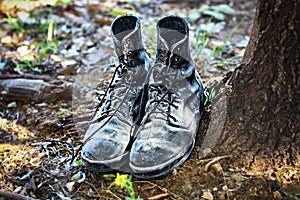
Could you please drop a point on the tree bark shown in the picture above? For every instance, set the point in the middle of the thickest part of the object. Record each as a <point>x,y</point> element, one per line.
<point>261,128</point>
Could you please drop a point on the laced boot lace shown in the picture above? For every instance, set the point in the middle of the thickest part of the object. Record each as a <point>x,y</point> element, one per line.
<point>110,110</point>
<point>163,98</point>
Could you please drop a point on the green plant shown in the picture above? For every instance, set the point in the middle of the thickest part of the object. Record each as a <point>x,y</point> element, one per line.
<point>209,96</point>
<point>15,24</point>
<point>222,48</point>
<point>62,111</point>
<point>222,63</point>
<point>78,162</point>
<point>28,64</point>
<point>204,39</point>
<point>51,44</point>
<point>124,181</point>
<point>217,12</point>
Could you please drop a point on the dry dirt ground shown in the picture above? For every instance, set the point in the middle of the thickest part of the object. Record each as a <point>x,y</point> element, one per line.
<point>32,167</point>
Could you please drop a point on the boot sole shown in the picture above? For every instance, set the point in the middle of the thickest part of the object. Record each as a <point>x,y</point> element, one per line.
<point>104,168</point>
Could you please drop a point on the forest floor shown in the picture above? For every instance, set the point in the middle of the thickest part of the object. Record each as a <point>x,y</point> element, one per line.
<point>55,63</point>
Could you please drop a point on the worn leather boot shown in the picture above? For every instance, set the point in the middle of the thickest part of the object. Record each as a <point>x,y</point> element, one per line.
<point>174,107</point>
<point>106,140</point>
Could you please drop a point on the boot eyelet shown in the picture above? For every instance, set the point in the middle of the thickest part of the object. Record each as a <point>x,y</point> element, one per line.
<point>128,41</point>
<point>175,59</point>
<point>130,52</point>
<point>161,56</point>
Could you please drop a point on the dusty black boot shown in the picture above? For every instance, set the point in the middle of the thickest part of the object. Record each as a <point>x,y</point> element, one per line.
<point>106,140</point>
<point>174,108</point>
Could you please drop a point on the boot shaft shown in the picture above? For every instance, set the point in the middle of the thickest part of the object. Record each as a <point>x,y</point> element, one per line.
<point>127,38</point>
<point>173,42</point>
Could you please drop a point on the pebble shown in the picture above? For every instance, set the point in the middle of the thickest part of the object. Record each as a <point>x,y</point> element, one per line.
<point>6,40</point>
<point>207,195</point>
<point>12,105</point>
<point>277,195</point>
<point>69,62</point>
<point>70,186</point>
<point>217,169</point>
<point>230,184</point>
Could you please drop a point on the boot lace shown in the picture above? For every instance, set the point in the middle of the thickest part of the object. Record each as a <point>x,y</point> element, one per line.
<point>162,97</point>
<point>127,81</point>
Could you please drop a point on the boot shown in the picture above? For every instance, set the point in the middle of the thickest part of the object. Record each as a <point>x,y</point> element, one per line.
<point>106,140</point>
<point>174,108</point>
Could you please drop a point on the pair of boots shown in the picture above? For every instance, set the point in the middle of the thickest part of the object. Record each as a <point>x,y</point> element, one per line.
<point>148,122</point>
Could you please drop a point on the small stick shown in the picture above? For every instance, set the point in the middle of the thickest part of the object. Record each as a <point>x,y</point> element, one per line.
<point>14,196</point>
<point>214,160</point>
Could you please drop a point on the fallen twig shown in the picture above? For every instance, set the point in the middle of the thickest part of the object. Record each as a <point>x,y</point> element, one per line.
<point>14,196</point>
<point>214,160</point>
<point>160,196</point>
<point>173,195</point>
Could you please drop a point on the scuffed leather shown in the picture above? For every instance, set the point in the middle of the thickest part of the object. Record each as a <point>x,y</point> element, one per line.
<point>175,103</point>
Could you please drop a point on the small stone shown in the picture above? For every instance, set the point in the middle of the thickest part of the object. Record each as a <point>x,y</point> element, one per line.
<point>277,195</point>
<point>215,189</point>
<point>12,105</point>
<point>41,104</point>
<point>207,195</point>
<point>174,172</point>
<point>70,186</point>
<point>23,16</point>
<point>230,184</point>
<point>225,188</point>
<point>217,169</point>
<point>69,62</point>
<point>56,58</point>
<point>6,40</point>
<point>216,44</point>
<point>222,196</point>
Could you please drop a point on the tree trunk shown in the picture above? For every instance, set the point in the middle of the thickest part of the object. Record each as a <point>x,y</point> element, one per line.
<point>262,117</point>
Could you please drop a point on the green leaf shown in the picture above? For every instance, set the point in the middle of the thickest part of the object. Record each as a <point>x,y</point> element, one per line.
<point>28,64</point>
<point>216,15</point>
<point>50,32</point>
<point>120,12</point>
<point>56,43</point>
<point>233,30</point>
<point>203,8</point>
<point>78,162</point>
<point>62,111</point>
<point>109,176</point>
<point>66,1</point>
<point>194,15</point>
<point>16,25</point>
<point>223,8</point>
<point>43,27</point>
